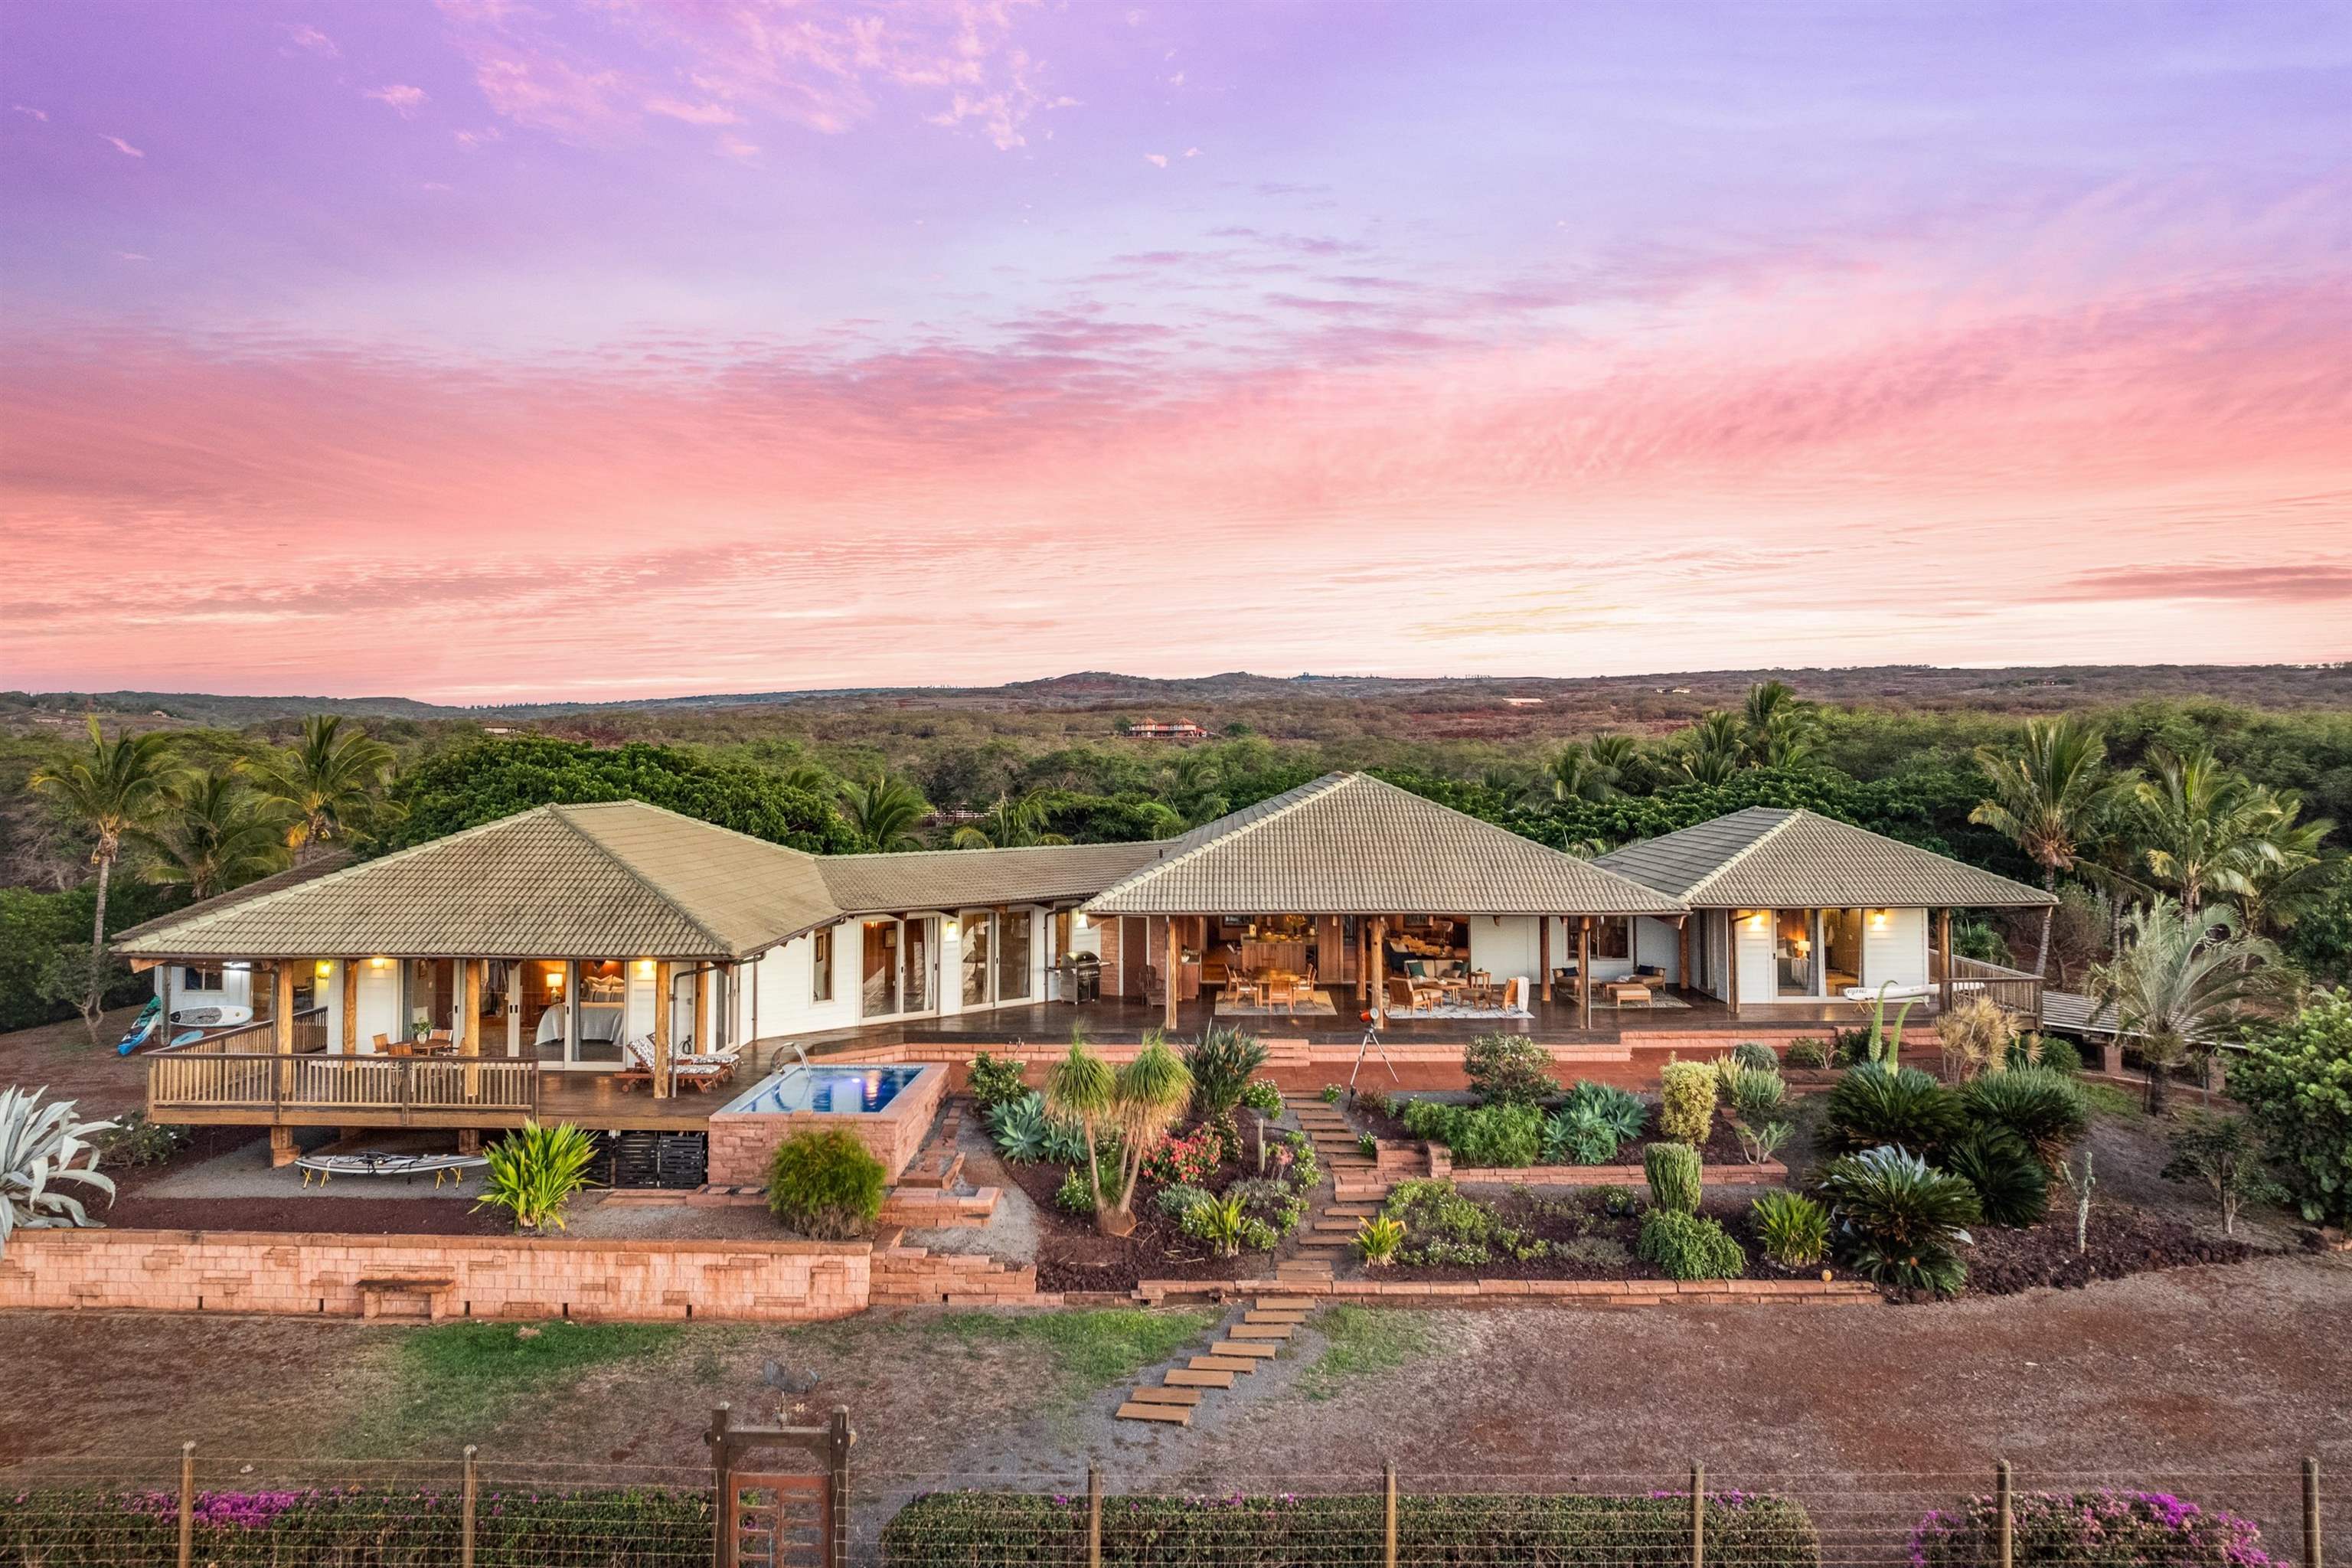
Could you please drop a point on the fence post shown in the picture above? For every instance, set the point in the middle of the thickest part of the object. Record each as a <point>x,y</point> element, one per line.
<point>1387,1514</point>
<point>836,1471</point>
<point>2003,1496</point>
<point>1698,1514</point>
<point>1093,1516</point>
<point>187,1501</point>
<point>2311,1511</point>
<point>473,1491</point>
<point>722,1419</point>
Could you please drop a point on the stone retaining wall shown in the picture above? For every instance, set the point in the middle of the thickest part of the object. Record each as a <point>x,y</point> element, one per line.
<point>432,1277</point>
<point>1771,1173</point>
<point>1531,1292</point>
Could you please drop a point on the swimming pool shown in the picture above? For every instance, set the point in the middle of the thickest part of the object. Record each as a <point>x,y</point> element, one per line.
<point>844,1090</point>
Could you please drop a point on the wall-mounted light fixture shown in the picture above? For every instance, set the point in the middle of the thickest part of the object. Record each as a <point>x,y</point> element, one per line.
<point>1083,920</point>
<point>325,966</point>
<point>645,968</point>
<point>1757,920</point>
<point>950,926</point>
<point>1878,919</point>
<point>379,963</point>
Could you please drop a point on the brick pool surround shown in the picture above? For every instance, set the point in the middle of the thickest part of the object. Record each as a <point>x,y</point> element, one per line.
<point>743,1142</point>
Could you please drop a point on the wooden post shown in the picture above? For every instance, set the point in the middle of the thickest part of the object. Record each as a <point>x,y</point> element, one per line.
<point>1377,964</point>
<point>1093,1516</point>
<point>466,1521</point>
<point>1388,1515</point>
<point>519,974</point>
<point>722,1462</point>
<point>1543,952</point>
<point>1169,973</point>
<point>1698,1514</point>
<point>2004,1514</point>
<point>469,1029</point>
<point>2311,1511</point>
<point>1731,956</point>
<point>187,1504</point>
<point>281,1021</point>
<point>700,1044</point>
<point>1584,971</point>
<point>1682,953</point>
<point>663,1004</point>
<point>351,1006</point>
<point>1944,959</point>
<point>838,1438</point>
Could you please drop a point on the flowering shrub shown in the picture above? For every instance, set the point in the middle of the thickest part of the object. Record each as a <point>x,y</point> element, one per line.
<point>1191,1161</point>
<point>384,1527</point>
<point>961,1529</point>
<point>2104,1528</point>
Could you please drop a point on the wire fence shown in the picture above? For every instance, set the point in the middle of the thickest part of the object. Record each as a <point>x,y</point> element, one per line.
<point>784,1508</point>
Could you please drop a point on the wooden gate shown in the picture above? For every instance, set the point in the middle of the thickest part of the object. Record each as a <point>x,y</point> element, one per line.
<point>780,1519</point>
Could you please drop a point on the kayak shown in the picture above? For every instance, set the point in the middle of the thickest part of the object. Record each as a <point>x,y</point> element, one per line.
<point>143,1027</point>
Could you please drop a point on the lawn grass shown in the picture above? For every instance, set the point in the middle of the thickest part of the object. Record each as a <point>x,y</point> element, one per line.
<point>1359,1340</point>
<point>2111,1099</point>
<point>1092,1349</point>
<point>454,1382</point>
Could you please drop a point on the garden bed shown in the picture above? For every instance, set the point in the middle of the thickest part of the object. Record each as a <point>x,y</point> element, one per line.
<point>1072,1255</point>
<point>2123,1242</point>
<point>1582,1241</point>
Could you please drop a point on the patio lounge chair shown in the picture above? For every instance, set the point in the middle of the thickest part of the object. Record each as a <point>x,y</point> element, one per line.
<point>687,1070</point>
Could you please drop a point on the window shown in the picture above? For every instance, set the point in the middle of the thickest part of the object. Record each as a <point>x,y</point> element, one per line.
<point>1612,938</point>
<point>878,996</point>
<point>821,966</point>
<point>192,978</point>
<point>1793,953</point>
<point>1012,946</point>
<point>973,963</point>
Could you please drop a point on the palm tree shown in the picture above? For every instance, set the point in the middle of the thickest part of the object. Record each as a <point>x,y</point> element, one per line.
<point>1621,755</point>
<point>1715,746</point>
<point>1578,773</point>
<point>118,788</point>
<point>883,812</point>
<point>2047,799</point>
<point>218,835</point>
<point>333,782</point>
<point>1010,824</point>
<point>2182,976</point>
<point>2281,890</point>
<point>2203,828</point>
<point>1778,725</point>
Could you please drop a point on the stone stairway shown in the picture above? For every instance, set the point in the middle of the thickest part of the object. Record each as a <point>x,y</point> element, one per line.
<point>1356,1183</point>
<point>1269,1320</point>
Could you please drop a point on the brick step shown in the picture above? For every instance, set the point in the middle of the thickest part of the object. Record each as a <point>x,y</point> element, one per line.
<point>1342,1226</point>
<point>1241,1348</point>
<point>934,1168</point>
<point>1227,1364</point>
<point>1197,1377</point>
<point>1186,1396</point>
<point>1323,1238</point>
<point>1171,1414</point>
<point>1275,1332</point>
<point>1351,1211</point>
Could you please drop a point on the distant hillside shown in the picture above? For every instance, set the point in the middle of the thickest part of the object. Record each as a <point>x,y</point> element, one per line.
<point>2016,689</point>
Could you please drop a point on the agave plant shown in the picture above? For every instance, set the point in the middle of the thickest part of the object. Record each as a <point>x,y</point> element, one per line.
<point>1904,1221</point>
<point>1619,1109</point>
<point>1021,1127</point>
<point>42,1146</point>
<point>1580,1135</point>
<point>535,1170</point>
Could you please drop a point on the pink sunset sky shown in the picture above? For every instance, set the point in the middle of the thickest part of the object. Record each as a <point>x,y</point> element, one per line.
<point>497,349</point>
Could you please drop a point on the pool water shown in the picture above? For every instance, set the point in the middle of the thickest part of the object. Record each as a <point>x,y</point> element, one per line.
<point>856,1091</point>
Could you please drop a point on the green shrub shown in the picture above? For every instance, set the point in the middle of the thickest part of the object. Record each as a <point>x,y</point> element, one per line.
<point>2222,1154</point>
<point>1675,1176</point>
<point>136,1141</point>
<point>534,1172</point>
<point>2058,1055</point>
<point>1490,1136</point>
<point>1808,1053</point>
<point>1686,1101</point>
<point>2046,1109</point>
<point>1074,1196</point>
<point>1794,1230</point>
<point>1756,1056</point>
<point>999,1530</point>
<point>383,1527</point>
<point>2013,1187</point>
<point>1378,1238</point>
<point>1263,1096</point>
<point>1019,1127</point>
<point>1176,1199</point>
<point>1755,1094</point>
<point>827,1184</point>
<point>1906,1108</point>
<point>1221,1064</point>
<point>2294,1079</point>
<point>1509,1070</point>
<point>993,1081</point>
<point>1903,1222</point>
<point>1444,1226</point>
<point>2103,1529</point>
<point>1689,1246</point>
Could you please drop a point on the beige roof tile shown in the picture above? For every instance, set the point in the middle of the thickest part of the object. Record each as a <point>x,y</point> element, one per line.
<point>1770,857</point>
<point>617,879</point>
<point>966,879</point>
<point>1349,844</point>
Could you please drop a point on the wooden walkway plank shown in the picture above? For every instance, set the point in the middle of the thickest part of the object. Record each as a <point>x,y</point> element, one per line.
<point>1174,1415</point>
<point>1277,1331</point>
<point>1197,1377</point>
<point>1165,1396</point>
<point>1227,1364</point>
<point>1241,1348</point>
<point>1284,1303</point>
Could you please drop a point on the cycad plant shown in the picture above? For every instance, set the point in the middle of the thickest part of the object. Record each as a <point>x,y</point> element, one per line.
<point>535,1170</point>
<point>1904,1222</point>
<point>2182,978</point>
<point>42,1150</point>
<point>1907,1108</point>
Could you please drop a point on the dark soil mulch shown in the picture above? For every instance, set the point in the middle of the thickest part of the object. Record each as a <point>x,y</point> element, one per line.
<point>358,1216</point>
<point>1584,1242</point>
<point>2122,1242</point>
<point>1072,1256</point>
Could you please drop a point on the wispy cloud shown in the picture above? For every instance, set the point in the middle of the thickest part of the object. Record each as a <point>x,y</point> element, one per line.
<point>2315,583</point>
<point>402,98</point>
<point>1157,159</point>
<point>27,109</point>
<point>120,145</point>
<point>305,36</point>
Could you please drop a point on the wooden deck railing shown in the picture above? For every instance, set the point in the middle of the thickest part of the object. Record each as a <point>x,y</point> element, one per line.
<point>2012,990</point>
<point>309,1034</point>
<point>290,1085</point>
